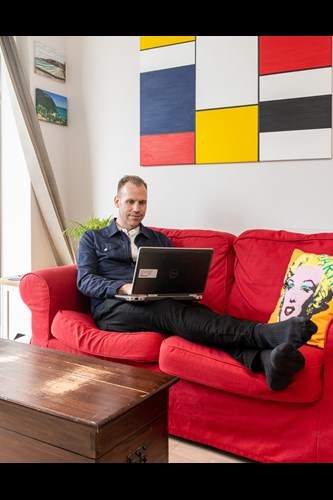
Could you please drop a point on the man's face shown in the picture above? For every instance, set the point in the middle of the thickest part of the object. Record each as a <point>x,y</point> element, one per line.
<point>132,205</point>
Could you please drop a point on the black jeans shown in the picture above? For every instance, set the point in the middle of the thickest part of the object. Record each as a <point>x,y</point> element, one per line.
<point>190,320</point>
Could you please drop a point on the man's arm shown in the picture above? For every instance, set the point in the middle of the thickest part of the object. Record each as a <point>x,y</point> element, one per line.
<point>89,282</point>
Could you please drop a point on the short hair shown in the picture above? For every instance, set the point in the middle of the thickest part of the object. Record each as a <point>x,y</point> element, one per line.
<point>134,179</point>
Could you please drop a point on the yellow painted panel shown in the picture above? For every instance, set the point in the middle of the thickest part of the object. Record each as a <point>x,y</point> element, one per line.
<point>148,42</point>
<point>227,135</point>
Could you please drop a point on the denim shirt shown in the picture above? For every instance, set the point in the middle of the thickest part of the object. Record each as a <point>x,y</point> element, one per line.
<point>105,261</point>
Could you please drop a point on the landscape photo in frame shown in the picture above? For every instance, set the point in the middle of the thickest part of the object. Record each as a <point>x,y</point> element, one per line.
<point>51,107</point>
<point>50,62</point>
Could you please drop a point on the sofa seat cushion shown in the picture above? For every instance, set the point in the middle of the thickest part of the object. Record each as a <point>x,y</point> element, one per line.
<point>214,368</point>
<point>78,330</point>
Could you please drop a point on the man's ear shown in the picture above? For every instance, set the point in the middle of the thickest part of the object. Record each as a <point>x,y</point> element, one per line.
<point>116,201</point>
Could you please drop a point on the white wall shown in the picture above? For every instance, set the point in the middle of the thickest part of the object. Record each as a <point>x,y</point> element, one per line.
<point>55,137</point>
<point>15,194</point>
<point>101,143</point>
<point>104,132</point>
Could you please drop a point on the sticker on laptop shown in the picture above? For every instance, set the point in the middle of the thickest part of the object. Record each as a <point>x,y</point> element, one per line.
<point>148,273</point>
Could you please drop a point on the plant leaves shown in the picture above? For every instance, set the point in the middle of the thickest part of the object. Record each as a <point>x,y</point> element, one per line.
<point>77,229</point>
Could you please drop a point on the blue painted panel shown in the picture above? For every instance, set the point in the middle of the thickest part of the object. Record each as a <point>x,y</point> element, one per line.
<point>167,101</point>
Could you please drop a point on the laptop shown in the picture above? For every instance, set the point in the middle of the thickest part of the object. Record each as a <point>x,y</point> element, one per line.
<point>170,272</point>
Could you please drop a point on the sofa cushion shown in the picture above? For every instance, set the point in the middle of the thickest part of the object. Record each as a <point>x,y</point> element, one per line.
<point>78,330</point>
<point>262,257</point>
<point>307,291</point>
<point>214,368</point>
<point>220,276</point>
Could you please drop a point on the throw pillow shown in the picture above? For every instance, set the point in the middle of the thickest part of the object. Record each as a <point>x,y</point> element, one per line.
<point>307,291</point>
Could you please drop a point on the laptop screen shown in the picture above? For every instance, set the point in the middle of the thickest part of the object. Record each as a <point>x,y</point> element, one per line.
<point>171,270</point>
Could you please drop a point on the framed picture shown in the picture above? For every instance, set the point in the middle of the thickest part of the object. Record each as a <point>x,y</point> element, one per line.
<point>51,107</point>
<point>49,62</point>
<point>232,99</point>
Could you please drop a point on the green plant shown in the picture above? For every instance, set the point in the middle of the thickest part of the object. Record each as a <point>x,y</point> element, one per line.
<point>77,229</point>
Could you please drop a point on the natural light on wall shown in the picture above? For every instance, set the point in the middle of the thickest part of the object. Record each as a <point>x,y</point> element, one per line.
<point>39,167</point>
<point>15,194</point>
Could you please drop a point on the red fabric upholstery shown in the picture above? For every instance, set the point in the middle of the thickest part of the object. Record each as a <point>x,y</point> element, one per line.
<point>60,311</point>
<point>78,330</point>
<point>216,402</point>
<point>60,346</point>
<point>45,292</point>
<point>261,430</point>
<point>214,368</point>
<point>262,257</point>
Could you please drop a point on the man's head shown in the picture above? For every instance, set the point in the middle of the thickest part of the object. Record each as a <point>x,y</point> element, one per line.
<point>131,201</point>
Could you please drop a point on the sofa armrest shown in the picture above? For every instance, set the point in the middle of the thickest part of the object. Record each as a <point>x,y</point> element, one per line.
<point>45,292</point>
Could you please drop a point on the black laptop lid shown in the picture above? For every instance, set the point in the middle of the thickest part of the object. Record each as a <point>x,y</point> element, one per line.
<point>171,270</point>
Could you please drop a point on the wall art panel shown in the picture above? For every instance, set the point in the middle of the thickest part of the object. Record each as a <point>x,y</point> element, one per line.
<point>296,95</point>
<point>295,144</point>
<point>279,54</point>
<point>296,84</point>
<point>227,135</point>
<point>232,99</point>
<point>226,71</point>
<point>167,101</point>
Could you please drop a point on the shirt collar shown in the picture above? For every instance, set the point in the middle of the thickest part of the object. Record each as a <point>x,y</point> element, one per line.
<point>112,229</point>
<point>132,232</point>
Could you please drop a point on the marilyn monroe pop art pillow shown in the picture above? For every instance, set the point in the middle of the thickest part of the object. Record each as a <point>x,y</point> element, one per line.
<point>307,291</point>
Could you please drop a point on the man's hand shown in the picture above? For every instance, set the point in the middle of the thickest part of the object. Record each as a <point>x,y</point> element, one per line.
<point>125,289</point>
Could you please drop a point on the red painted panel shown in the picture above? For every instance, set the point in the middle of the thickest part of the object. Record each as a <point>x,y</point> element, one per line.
<point>290,53</point>
<point>167,149</point>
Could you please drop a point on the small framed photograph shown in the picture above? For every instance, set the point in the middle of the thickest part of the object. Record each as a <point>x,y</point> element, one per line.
<point>51,107</point>
<point>50,63</point>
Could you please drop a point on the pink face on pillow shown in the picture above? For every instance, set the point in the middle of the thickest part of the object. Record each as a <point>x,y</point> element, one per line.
<point>299,290</point>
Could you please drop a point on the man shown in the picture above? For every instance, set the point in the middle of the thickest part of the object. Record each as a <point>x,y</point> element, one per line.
<point>106,261</point>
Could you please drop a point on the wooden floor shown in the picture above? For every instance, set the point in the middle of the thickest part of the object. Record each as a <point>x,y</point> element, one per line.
<point>182,451</point>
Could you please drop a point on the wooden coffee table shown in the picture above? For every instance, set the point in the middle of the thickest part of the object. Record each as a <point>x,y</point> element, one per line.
<point>60,407</point>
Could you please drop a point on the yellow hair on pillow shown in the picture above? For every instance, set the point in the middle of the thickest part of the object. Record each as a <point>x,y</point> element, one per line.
<point>307,291</point>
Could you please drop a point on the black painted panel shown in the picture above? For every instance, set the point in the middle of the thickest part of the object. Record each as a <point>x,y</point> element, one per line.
<point>296,114</point>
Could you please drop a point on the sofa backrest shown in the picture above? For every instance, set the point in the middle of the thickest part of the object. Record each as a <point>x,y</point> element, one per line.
<point>221,271</point>
<point>261,261</point>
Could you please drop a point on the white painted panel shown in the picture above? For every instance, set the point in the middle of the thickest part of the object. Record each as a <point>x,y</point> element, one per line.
<point>226,71</point>
<point>295,145</point>
<point>171,56</point>
<point>296,84</point>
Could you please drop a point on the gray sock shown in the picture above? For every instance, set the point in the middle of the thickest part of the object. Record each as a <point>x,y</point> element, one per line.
<point>281,364</point>
<point>296,331</point>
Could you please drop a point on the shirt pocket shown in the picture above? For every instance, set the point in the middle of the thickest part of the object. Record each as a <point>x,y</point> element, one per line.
<point>109,251</point>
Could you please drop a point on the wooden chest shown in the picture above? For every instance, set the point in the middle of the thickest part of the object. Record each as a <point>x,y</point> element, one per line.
<point>60,407</point>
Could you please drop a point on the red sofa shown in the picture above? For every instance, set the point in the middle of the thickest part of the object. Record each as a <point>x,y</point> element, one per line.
<point>216,401</point>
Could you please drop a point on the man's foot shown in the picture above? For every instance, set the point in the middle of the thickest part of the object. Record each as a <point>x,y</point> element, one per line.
<point>296,331</point>
<point>281,364</point>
